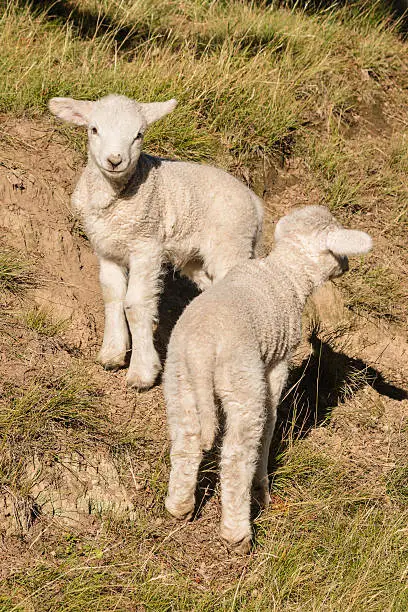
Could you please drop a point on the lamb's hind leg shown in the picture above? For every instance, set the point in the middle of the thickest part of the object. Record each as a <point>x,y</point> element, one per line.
<point>243,401</point>
<point>116,341</point>
<point>276,379</point>
<point>185,452</point>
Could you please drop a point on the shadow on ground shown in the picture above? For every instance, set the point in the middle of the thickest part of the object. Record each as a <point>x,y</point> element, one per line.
<point>177,293</point>
<point>89,24</point>
<point>321,382</point>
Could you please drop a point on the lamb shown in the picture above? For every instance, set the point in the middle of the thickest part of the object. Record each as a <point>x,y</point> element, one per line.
<point>232,344</point>
<point>141,211</point>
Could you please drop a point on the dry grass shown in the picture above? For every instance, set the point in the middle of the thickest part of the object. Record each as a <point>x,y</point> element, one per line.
<point>16,274</point>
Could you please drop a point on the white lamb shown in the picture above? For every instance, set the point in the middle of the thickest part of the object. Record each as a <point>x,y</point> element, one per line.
<point>140,211</point>
<point>233,344</point>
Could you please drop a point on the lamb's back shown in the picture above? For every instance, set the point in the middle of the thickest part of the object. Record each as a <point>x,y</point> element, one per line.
<point>251,306</point>
<point>181,205</point>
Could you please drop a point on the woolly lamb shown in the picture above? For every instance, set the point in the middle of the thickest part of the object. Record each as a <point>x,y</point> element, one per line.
<point>234,343</point>
<point>140,211</point>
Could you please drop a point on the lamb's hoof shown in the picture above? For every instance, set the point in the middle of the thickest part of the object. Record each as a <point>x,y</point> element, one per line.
<point>142,379</point>
<point>111,363</point>
<point>243,547</point>
<point>141,383</point>
<point>237,537</point>
<point>182,512</point>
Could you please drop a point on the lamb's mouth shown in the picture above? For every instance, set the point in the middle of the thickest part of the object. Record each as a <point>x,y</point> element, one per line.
<point>116,172</point>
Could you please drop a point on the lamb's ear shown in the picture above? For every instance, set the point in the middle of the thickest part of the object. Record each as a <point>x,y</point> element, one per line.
<point>73,111</point>
<point>348,242</point>
<point>153,111</point>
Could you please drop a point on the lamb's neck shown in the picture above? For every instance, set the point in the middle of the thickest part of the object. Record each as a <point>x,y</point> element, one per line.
<point>299,270</point>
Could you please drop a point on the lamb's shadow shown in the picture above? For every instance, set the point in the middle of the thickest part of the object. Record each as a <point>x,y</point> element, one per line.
<point>321,382</point>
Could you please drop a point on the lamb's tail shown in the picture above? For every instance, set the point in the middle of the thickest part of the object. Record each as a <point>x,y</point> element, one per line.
<point>189,393</point>
<point>202,378</point>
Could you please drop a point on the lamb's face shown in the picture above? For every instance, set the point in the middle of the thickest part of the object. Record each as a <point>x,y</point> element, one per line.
<point>320,237</point>
<point>116,126</point>
<point>313,242</point>
<point>116,129</point>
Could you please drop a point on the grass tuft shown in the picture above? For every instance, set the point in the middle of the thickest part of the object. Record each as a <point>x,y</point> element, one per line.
<point>16,274</point>
<point>48,417</point>
<point>40,321</point>
<point>376,290</point>
<point>397,484</point>
<point>68,402</point>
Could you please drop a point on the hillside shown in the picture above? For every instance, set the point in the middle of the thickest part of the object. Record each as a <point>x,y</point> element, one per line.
<point>307,107</point>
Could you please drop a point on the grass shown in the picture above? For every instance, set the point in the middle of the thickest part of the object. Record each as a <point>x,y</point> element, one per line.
<point>68,401</point>
<point>246,76</point>
<point>329,160</point>
<point>320,549</point>
<point>16,274</point>
<point>36,420</point>
<point>377,290</point>
<point>360,179</point>
<point>324,91</point>
<point>43,323</point>
<point>397,484</point>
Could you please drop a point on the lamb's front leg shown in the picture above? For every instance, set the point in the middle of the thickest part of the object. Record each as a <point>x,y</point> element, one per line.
<point>116,341</point>
<point>141,312</point>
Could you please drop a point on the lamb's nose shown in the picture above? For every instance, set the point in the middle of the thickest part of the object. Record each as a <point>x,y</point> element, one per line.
<point>345,264</point>
<point>114,159</point>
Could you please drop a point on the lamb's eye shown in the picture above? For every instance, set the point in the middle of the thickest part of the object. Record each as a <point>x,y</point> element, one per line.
<point>94,130</point>
<point>139,136</point>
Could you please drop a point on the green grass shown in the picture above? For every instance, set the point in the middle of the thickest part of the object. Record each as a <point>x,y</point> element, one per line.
<point>246,76</point>
<point>330,161</point>
<point>397,484</point>
<point>64,402</point>
<point>43,323</point>
<point>316,551</point>
<point>376,290</point>
<point>45,419</point>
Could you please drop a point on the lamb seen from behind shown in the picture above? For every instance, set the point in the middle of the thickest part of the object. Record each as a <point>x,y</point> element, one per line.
<point>140,211</point>
<point>233,343</point>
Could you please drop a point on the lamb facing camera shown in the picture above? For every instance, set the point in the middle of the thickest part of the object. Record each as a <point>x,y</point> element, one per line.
<point>141,211</point>
<point>234,343</point>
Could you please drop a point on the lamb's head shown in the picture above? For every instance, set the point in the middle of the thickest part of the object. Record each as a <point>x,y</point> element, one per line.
<point>116,126</point>
<point>320,238</point>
